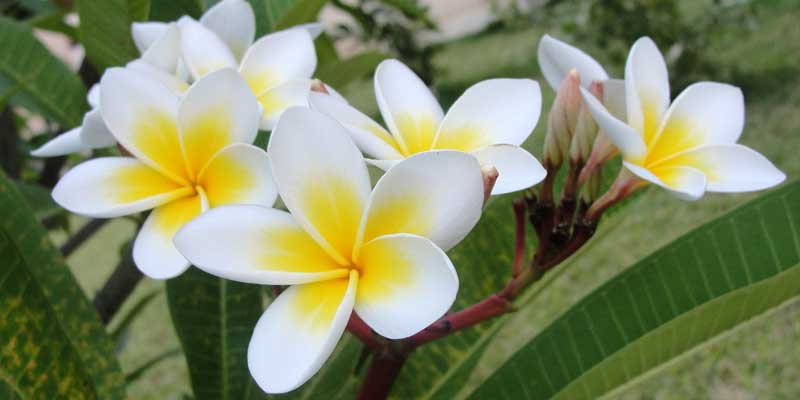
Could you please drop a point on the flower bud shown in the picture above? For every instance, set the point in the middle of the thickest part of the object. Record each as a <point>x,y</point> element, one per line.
<point>591,189</point>
<point>586,129</point>
<point>562,121</point>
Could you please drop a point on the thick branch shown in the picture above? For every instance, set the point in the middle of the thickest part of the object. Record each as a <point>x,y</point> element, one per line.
<point>83,234</point>
<point>118,287</point>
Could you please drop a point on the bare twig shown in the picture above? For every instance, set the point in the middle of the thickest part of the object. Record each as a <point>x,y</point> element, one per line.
<point>83,234</point>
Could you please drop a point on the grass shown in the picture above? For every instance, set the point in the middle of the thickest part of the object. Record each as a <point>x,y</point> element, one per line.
<point>759,361</point>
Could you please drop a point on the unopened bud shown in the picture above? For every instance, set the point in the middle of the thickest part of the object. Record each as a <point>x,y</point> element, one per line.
<point>318,86</point>
<point>586,130</point>
<point>591,189</point>
<point>490,175</point>
<point>562,121</point>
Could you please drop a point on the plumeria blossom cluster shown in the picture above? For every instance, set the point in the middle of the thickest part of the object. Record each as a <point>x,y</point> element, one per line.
<point>277,67</point>
<point>687,147</point>
<point>187,112</point>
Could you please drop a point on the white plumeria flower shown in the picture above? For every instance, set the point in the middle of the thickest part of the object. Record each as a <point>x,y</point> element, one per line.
<point>557,59</point>
<point>490,120</point>
<point>278,71</point>
<point>688,147</point>
<point>93,133</point>
<point>189,154</point>
<point>343,246</point>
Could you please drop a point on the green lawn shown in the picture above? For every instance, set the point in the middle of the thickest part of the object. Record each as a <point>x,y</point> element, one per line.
<point>757,361</point>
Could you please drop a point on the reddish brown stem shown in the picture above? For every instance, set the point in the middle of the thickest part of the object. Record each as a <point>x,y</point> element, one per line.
<point>519,245</point>
<point>489,307</point>
<point>383,371</point>
<point>363,332</point>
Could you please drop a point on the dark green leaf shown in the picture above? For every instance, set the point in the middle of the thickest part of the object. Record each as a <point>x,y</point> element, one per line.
<point>711,280</point>
<point>273,15</point>
<point>53,344</point>
<point>39,81</point>
<point>214,319</point>
<point>39,200</point>
<point>171,10</point>
<point>105,29</point>
<point>340,73</point>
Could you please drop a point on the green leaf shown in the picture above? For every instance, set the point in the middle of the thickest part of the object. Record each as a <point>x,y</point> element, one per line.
<point>40,82</point>
<point>105,29</point>
<point>711,280</point>
<point>273,15</point>
<point>340,73</point>
<point>171,10</point>
<point>53,344</point>
<point>214,319</point>
<point>39,200</point>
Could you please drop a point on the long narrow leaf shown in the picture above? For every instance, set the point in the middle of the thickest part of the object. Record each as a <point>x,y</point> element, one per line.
<point>105,29</point>
<point>707,282</point>
<point>214,319</point>
<point>52,344</point>
<point>40,81</point>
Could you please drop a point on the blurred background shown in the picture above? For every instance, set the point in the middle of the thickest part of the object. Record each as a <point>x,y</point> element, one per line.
<point>452,44</point>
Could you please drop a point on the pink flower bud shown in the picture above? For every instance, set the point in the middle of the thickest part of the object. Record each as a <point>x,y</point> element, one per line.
<point>562,121</point>
<point>586,130</point>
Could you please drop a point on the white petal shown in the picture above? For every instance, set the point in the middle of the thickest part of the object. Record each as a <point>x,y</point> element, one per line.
<point>93,97</point>
<point>731,168</point>
<point>557,58</point>
<point>408,107</point>
<point>165,52</point>
<point>239,174</point>
<point>321,177</point>
<point>218,110</point>
<point>407,284</point>
<point>298,333</point>
<point>646,88</point>
<point>146,33</point>
<point>684,182</point>
<point>154,252</point>
<point>627,140</point>
<point>177,85</point>
<point>255,244</point>
<point>614,98</point>
<point>141,112</point>
<point>382,164</point>
<point>517,168</point>
<point>704,113</point>
<point>495,111</point>
<point>66,143</point>
<point>203,51</point>
<point>234,22</point>
<point>94,132</point>
<point>277,58</point>
<point>434,194</point>
<point>276,100</point>
<point>114,186</point>
<point>370,137</point>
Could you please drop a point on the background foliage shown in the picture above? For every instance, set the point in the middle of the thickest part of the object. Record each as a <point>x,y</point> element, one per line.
<point>747,43</point>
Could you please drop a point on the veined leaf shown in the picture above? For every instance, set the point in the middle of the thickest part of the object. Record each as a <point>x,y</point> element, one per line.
<point>273,15</point>
<point>39,81</point>
<point>707,282</point>
<point>53,344</point>
<point>105,29</point>
<point>214,319</point>
<point>340,73</point>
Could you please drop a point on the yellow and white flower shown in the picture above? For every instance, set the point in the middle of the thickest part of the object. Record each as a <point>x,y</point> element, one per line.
<point>278,70</point>
<point>93,132</point>
<point>688,147</point>
<point>278,67</point>
<point>343,246</point>
<point>490,120</point>
<point>189,154</point>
